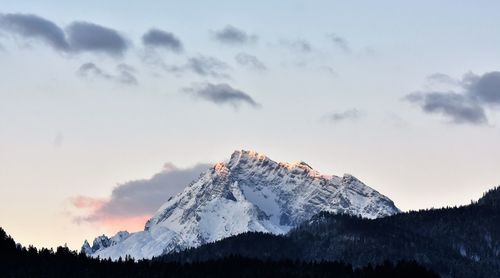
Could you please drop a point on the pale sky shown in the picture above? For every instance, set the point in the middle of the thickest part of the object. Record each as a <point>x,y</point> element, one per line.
<point>402,95</point>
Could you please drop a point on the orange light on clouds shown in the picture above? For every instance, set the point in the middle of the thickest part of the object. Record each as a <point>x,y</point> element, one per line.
<point>83,202</point>
<point>87,209</point>
<point>131,224</point>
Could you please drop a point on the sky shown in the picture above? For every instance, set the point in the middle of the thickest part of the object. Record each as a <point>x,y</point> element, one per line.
<point>107,109</point>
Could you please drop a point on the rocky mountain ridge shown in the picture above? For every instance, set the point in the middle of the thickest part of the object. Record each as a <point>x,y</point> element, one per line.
<point>249,193</point>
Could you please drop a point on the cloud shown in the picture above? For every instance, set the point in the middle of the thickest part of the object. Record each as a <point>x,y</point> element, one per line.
<point>124,76</point>
<point>206,66</point>
<point>233,35</point>
<point>29,26</point>
<point>329,70</point>
<point>58,140</point>
<point>351,114</point>
<point>299,45</point>
<point>250,61</point>
<point>161,39</point>
<point>89,37</point>
<point>442,78</point>
<point>484,88</point>
<point>477,93</point>
<point>137,200</point>
<point>340,42</point>
<point>459,108</point>
<point>83,202</point>
<point>221,94</point>
<point>78,37</point>
<point>89,69</point>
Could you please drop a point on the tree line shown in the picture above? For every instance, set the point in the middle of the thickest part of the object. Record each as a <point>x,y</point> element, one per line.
<point>19,261</point>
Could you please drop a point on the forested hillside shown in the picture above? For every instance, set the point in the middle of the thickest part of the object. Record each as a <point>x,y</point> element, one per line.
<point>456,242</point>
<point>17,261</point>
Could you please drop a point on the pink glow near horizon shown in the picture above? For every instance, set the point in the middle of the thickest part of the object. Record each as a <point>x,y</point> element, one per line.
<point>112,223</point>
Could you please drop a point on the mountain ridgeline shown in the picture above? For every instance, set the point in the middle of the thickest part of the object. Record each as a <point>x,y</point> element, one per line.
<point>455,242</point>
<point>249,193</point>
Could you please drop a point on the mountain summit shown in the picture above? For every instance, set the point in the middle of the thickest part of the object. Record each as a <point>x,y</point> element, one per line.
<point>248,193</point>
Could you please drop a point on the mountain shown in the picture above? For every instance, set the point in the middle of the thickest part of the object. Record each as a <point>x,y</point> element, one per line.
<point>249,193</point>
<point>103,241</point>
<point>456,242</point>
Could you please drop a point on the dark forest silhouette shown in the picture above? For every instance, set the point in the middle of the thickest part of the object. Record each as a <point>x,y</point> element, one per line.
<point>454,241</point>
<point>18,261</point>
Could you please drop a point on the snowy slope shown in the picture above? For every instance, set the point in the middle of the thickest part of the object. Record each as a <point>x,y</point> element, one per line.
<point>249,193</point>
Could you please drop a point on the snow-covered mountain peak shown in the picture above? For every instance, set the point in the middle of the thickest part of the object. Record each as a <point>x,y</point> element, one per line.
<point>246,157</point>
<point>250,192</point>
<point>220,168</point>
<point>253,161</point>
<point>300,164</point>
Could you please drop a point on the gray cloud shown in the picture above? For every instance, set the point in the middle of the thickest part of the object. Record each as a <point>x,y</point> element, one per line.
<point>458,107</point>
<point>351,114</point>
<point>88,69</point>
<point>145,196</point>
<point>173,68</point>
<point>162,39</point>
<point>250,61</point>
<point>233,35</point>
<point>299,45</point>
<point>79,36</point>
<point>442,78</point>
<point>207,66</point>
<point>58,140</point>
<point>30,26</point>
<point>340,42</point>
<point>126,77</point>
<point>329,70</point>
<point>478,92</point>
<point>485,88</point>
<point>90,37</point>
<point>125,73</point>
<point>221,94</point>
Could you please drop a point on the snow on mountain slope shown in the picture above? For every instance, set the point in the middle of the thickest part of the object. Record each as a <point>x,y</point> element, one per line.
<point>249,193</point>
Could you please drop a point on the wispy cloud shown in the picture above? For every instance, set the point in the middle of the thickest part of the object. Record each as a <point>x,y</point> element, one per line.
<point>250,62</point>
<point>442,78</point>
<point>221,94</point>
<point>340,42</point>
<point>329,70</point>
<point>124,76</point>
<point>299,45</point>
<point>207,66</point>
<point>347,115</point>
<point>58,140</point>
<point>234,36</point>
<point>204,66</point>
